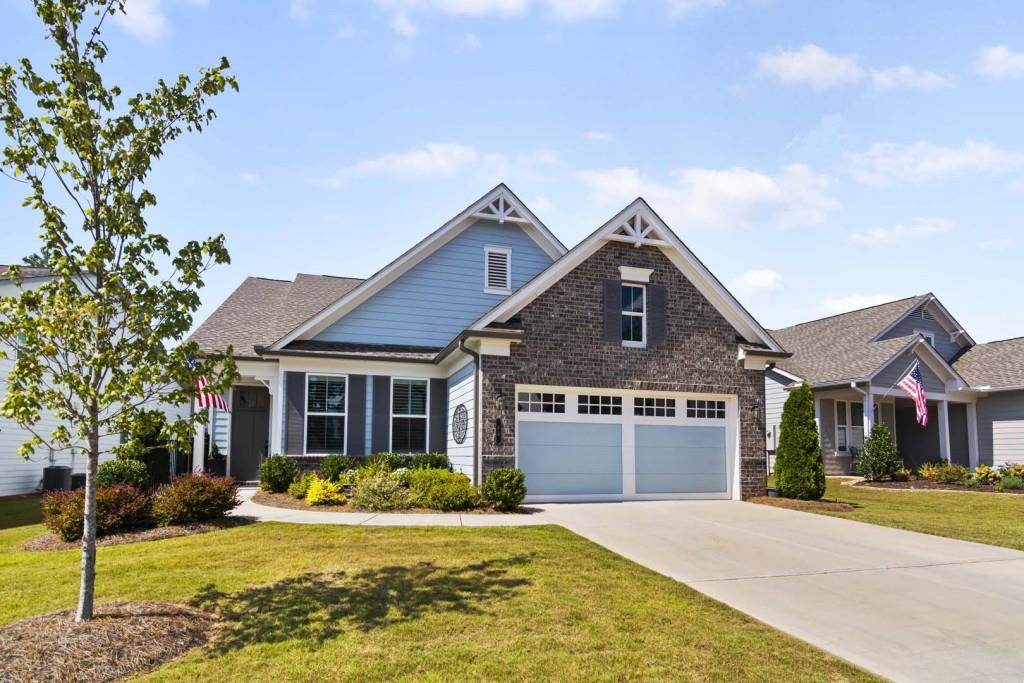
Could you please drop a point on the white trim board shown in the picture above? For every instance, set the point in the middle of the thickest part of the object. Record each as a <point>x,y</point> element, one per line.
<point>950,324</point>
<point>655,233</point>
<point>427,246</point>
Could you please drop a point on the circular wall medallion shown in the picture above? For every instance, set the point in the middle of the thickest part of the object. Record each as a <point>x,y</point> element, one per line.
<point>460,422</point>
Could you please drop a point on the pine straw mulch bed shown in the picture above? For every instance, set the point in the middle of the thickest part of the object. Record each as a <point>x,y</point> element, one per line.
<point>283,500</point>
<point>925,485</point>
<point>51,541</point>
<point>802,505</point>
<point>123,638</point>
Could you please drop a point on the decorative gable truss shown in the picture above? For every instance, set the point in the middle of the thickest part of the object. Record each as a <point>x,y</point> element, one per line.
<point>502,210</point>
<point>639,231</point>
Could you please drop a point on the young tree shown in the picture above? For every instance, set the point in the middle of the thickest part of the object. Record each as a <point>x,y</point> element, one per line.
<point>40,259</point>
<point>879,459</point>
<point>98,342</point>
<point>799,469</point>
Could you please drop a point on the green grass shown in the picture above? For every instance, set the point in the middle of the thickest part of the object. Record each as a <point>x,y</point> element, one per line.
<point>419,604</point>
<point>981,517</point>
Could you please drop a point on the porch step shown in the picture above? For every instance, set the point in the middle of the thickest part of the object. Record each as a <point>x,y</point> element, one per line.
<point>838,465</point>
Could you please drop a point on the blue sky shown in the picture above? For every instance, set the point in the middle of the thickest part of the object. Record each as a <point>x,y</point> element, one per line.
<point>817,157</point>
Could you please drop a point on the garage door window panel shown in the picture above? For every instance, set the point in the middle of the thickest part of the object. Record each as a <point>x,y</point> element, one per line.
<point>589,404</point>
<point>539,402</point>
<point>654,407</point>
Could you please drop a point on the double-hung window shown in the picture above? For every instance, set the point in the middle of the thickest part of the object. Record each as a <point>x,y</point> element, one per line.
<point>325,413</point>
<point>634,316</point>
<point>409,415</point>
<point>850,425</point>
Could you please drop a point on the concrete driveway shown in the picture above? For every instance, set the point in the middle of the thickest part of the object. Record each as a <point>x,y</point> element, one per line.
<point>907,606</point>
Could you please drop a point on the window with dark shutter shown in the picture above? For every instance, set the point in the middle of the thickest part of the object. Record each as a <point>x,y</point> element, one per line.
<point>497,270</point>
<point>409,415</point>
<point>325,413</point>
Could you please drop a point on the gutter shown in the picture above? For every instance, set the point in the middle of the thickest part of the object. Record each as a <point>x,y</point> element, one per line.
<point>267,353</point>
<point>457,343</point>
<point>477,465</point>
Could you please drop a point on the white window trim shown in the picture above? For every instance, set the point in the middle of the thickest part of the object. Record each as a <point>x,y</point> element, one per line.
<point>425,416</point>
<point>307,413</point>
<point>849,426</point>
<point>928,335</point>
<point>643,316</point>
<point>507,251</point>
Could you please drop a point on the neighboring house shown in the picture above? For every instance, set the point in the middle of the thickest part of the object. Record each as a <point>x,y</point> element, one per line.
<point>853,361</point>
<point>18,475</point>
<point>619,369</point>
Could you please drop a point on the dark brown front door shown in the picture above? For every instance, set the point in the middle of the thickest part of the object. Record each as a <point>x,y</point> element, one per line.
<point>250,431</point>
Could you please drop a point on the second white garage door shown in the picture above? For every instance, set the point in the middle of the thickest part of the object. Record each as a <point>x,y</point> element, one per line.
<point>619,445</point>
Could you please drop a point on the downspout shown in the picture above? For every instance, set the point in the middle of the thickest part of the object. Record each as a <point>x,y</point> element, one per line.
<point>477,465</point>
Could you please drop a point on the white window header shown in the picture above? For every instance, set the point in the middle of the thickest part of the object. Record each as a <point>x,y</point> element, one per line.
<point>631,274</point>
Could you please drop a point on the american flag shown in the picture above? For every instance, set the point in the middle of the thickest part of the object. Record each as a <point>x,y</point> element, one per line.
<point>913,386</point>
<point>206,399</point>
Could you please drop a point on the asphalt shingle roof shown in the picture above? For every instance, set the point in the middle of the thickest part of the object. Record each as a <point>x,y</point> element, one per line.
<point>997,364</point>
<point>262,310</point>
<point>839,348</point>
<point>26,272</point>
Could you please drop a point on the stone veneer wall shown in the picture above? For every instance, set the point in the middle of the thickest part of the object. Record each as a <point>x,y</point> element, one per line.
<point>564,345</point>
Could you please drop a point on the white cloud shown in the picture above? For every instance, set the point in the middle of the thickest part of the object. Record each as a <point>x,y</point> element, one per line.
<point>810,65</point>
<point>403,25</point>
<point>999,62</point>
<point>735,197</point>
<point>300,10</point>
<point>434,160</point>
<point>907,77</point>
<point>143,19</point>
<point>458,7</point>
<point>758,281</point>
<point>854,302</point>
<point>997,243</point>
<point>576,10</point>
<point>885,163</point>
<point>919,228</point>
<point>682,8</point>
<point>597,136</point>
<point>250,178</point>
<point>470,42</point>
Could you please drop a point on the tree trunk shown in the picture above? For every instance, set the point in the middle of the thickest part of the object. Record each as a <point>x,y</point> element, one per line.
<point>88,582</point>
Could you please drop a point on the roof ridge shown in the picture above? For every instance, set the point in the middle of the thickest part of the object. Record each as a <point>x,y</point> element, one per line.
<point>998,341</point>
<point>856,310</point>
<point>267,279</point>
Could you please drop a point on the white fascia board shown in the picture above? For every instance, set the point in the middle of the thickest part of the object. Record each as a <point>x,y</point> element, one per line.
<point>427,246</point>
<point>677,252</point>
<point>787,375</point>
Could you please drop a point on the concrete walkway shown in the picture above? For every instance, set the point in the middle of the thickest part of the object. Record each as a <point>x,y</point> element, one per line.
<point>265,513</point>
<point>908,606</point>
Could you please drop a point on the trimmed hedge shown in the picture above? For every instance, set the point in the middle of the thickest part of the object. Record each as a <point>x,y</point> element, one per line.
<point>380,491</point>
<point>879,458</point>
<point>194,498</point>
<point>799,467</point>
<point>123,471</point>
<point>505,489</point>
<point>443,490</point>
<point>333,467</point>
<point>277,473</point>
<point>119,508</point>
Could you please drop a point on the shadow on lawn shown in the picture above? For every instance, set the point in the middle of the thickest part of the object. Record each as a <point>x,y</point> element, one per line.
<point>18,511</point>
<point>316,607</point>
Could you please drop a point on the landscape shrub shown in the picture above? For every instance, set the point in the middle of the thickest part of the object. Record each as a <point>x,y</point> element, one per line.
<point>1015,469</point>
<point>429,461</point>
<point>381,490</point>
<point>799,468</point>
<point>387,461</point>
<point>324,492</point>
<point>1010,483</point>
<point>902,474</point>
<point>443,490</point>
<point>505,489</point>
<point>879,458</point>
<point>194,498</point>
<point>948,473</point>
<point>299,487</point>
<point>930,470</point>
<point>277,473</point>
<point>119,508</point>
<point>986,476</point>
<point>123,471</point>
<point>334,467</point>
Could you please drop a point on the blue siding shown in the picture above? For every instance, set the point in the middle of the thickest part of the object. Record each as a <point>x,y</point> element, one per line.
<point>894,373</point>
<point>569,458</point>
<point>442,294</point>
<point>672,459</point>
<point>914,321</point>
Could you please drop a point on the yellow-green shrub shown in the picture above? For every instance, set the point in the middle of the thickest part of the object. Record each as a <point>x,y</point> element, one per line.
<point>324,492</point>
<point>986,476</point>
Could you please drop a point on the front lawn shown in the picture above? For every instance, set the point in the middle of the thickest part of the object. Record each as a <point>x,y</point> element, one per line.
<point>356,603</point>
<point>995,519</point>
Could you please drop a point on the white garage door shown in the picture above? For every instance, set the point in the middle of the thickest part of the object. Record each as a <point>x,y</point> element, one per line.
<point>619,445</point>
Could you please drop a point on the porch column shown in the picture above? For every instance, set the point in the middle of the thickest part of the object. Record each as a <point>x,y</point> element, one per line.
<point>275,386</point>
<point>944,430</point>
<point>199,439</point>
<point>817,417</point>
<point>869,413</point>
<point>972,434</point>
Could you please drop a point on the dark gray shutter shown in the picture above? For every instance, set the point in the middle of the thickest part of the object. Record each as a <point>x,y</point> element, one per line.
<point>438,416</point>
<point>355,429</point>
<point>380,439</point>
<point>656,325</point>
<point>613,310</point>
<point>295,413</point>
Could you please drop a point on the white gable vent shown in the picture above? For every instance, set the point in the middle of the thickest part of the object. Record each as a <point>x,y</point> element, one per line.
<point>497,270</point>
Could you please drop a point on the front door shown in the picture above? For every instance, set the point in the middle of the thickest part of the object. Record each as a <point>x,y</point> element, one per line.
<point>250,431</point>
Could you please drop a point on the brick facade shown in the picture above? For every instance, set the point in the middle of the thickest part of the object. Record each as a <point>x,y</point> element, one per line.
<point>564,345</point>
